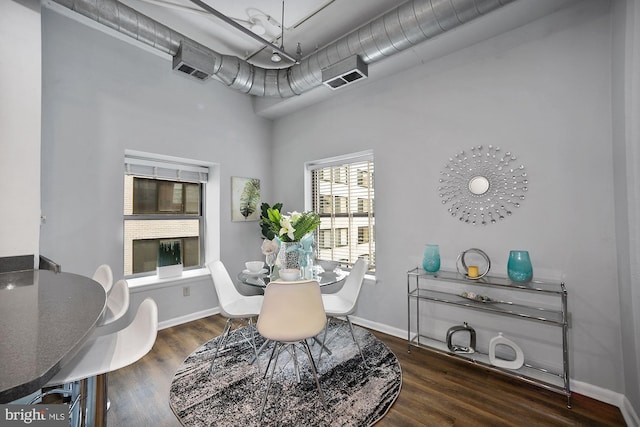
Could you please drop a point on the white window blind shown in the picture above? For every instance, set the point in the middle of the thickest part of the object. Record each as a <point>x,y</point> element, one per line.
<point>342,192</point>
<point>164,169</point>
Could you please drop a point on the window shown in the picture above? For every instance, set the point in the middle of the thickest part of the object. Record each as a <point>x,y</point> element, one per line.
<point>363,235</point>
<point>163,202</point>
<point>341,190</point>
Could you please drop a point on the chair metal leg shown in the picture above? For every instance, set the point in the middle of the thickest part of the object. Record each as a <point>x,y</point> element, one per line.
<point>315,372</point>
<point>295,362</point>
<point>259,352</point>
<point>276,348</point>
<point>324,339</point>
<point>223,339</point>
<point>355,340</point>
<point>276,345</point>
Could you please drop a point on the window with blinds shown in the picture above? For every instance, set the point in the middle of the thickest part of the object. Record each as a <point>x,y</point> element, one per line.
<point>163,203</point>
<point>342,193</point>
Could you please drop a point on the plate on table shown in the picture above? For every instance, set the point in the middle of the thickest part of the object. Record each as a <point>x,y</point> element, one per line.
<point>257,273</point>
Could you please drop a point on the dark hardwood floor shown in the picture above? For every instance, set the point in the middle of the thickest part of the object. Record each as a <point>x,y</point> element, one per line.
<point>436,390</point>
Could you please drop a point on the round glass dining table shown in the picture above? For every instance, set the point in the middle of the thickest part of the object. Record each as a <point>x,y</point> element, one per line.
<point>260,280</point>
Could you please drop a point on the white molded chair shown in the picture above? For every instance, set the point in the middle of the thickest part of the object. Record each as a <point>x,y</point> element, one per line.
<point>104,353</point>
<point>291,313</point>
<point>104,276</point>
<point>117,303</point>
<point>107,353</point>
<point>233,305</point>
<point>343,303</point>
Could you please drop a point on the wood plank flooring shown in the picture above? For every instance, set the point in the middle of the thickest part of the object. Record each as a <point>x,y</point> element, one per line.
<point>436,390</point>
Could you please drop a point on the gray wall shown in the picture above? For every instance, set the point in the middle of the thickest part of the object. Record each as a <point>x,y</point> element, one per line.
<point>542,91</point>
<point>626,134</point>
<point>20,71</point>
<point>102,95</point>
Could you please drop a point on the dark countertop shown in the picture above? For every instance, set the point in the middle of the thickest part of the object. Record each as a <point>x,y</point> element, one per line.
<point>44,319</point>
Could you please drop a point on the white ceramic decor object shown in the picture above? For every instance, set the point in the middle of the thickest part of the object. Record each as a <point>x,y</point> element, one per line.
<point>503,363</point>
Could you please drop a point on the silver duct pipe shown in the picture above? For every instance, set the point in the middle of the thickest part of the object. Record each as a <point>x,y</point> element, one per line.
<point>409,24</point>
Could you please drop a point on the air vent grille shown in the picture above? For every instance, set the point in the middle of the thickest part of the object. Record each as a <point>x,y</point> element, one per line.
<point>193,61</point>
<point>344,72</point>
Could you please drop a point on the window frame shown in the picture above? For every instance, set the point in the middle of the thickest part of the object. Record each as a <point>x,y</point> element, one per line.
<point>362,156</point>
<point>179,165</point>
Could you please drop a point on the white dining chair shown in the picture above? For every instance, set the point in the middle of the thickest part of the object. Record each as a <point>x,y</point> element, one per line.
<point>104,276</point>
<point>343,303</point>
<point>291,313</point>
<point>104,353</point>
<point>233,305</point>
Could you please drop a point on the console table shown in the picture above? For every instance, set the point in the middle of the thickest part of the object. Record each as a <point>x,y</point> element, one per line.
<point>421,287</point>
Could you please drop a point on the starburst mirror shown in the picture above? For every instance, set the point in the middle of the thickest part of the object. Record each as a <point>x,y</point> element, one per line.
<point>483,185</point>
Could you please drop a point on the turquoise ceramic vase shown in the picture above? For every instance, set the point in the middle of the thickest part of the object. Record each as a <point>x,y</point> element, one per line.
<point>519,267</point>
<point>431,258</point>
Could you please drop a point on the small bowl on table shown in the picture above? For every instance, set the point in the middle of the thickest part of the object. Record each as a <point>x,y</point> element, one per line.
<point>289,274</point>
<point>254,266</point>
<point>327,265</point>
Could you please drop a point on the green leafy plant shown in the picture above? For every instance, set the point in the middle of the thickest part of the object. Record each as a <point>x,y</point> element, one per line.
<point>250,197</point>
<point>265,224</point>
<point>169,253</point>
<point>288,228</point>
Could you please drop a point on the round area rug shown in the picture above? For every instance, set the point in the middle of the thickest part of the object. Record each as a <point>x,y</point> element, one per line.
<point>356,395</point>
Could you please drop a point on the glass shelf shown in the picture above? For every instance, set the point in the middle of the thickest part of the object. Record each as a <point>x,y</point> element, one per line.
<point>544,286</point>
<point>498,307</point>
<point>529,373</point>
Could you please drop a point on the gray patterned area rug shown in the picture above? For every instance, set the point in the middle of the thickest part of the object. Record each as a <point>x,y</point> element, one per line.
<point>356,395</point>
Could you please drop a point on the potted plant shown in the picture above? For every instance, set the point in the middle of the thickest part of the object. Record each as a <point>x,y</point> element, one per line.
<point>169,259</point>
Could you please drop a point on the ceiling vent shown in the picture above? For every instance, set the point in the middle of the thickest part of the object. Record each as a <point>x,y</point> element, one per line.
<point>344,72</point>
<point>193,61</point>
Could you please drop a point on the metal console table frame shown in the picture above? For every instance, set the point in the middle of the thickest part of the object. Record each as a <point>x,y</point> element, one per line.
<point>554,381</point>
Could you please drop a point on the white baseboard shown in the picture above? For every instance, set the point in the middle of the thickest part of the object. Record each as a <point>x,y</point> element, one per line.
<point>629,414</point>
<point>188,318</point>
<point>607,396</point>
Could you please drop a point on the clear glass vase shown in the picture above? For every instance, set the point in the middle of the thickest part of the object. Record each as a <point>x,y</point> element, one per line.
<point>289,256</point>
<point>519,267</point>
<point>431,258</point>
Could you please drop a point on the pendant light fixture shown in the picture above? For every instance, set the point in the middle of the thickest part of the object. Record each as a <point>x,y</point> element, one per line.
<point>276,49</point>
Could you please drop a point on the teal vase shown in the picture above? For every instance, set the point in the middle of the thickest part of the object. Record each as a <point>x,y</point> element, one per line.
<point>519,267</point>
<point>431,258</point>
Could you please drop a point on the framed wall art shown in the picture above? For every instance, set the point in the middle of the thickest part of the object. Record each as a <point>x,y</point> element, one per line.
<point>245,199</point>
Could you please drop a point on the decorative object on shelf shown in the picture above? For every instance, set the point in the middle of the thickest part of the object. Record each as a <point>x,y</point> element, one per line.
<point>431,258</point>
<point>519,267</point>
<point>479,258</point>
<point>482,185</point>
<point>475,297</point>
<point>471,348</point>
<point>503,363</point>
<point>245,199</point>
<point>472,272</point>
<point>169,259</point>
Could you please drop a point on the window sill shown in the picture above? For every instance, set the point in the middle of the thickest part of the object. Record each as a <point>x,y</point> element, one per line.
<point>146,282</point>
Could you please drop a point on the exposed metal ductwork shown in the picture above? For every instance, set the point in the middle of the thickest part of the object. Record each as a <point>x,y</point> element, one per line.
<point>409,24</point>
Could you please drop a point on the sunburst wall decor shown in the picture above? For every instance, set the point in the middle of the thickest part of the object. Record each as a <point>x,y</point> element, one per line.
<point>482,185</point>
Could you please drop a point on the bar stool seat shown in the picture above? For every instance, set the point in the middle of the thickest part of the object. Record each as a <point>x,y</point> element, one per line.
<point>104,353</point>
